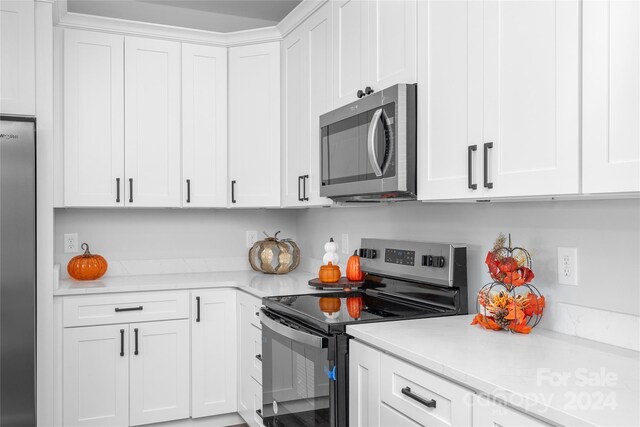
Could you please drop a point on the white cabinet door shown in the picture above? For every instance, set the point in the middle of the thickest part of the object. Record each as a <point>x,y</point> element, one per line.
<point>93,119</point>
<point>152,122</point>
<point>350,49</point>
<point>159,380</point>
<point>254,125</point>
<point>96,376</point>
<point>364,386</point>
<point>17,58</point>
<point>449,99</point>
<point>531,79</point>
<point>392,42</point>
<point>487,413</point>
<point>204,126</point>
<point>248,387</point>
<point>318,36</point>
<point>611,96</point>
<point>213,352</point>
<point>295,143</point>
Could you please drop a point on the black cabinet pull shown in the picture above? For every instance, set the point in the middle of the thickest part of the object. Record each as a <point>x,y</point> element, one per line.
<point>487,146</point>
<point>360,93</point>
<point>300,179</point>
<point>233,191</point>
<point>188,191</point>
<point>130,190</point>
<point>121,342</point>
<point>305,198</point>
<point>368,90</point>
<point>428,403</point>
<point>118,309</point>
<point>135,333</point>
<point>470,151</point>
<point>259,412</point>
<point>197,309</point>
<point>117,190</point>
<point>259,357</point>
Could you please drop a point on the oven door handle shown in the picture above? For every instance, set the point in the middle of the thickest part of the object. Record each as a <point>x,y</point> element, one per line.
<point>293,334</point>
<point>371,146</point>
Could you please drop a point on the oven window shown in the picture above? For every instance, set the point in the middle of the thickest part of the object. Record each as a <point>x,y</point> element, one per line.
<point>345,150</point>
<point>295,382</point>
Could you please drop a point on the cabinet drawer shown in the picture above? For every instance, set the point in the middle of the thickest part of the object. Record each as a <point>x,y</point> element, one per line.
<point>125,308</point>
<point>427,398</point>
<point>256,344</point>
<point>255,317</point>
<point>256,410</point>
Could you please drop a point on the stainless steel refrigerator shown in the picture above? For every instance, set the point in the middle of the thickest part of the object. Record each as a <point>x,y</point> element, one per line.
<point>17,271</point>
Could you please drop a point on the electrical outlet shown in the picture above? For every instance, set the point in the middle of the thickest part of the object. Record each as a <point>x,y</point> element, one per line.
<point>568,266</point>
<point>71,243</point>
<point>252,237</point>
<point>345,244</point>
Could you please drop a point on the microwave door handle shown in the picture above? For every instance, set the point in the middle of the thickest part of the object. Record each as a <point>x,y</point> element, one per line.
<point>292,334</point>
<point>371,146</point>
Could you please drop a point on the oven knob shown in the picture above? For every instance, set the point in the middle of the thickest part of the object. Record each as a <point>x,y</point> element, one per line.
<point>427,260</point>
<point>438,261</point>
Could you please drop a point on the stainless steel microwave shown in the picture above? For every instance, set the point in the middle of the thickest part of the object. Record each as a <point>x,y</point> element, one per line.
<point>368,148</point>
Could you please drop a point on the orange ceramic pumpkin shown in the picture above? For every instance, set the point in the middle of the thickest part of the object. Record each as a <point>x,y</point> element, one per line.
<point>87,266</point>
<point>353,268</point>
<point>354,306</point>
<point>330,305</point>
<point>329,273</point>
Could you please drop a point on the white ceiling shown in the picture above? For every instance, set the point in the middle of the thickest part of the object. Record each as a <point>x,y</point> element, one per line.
<point>211,15</point>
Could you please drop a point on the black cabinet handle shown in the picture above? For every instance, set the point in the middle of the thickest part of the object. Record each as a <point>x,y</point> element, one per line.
<point>188,191</point>
<point>368,90</point>
<point>233,191</point>
<point>135,333</point>
<point>360,93</point>
<point>428,403</point>
<point>305,198</point>
<point>487,146</point>
<point>121,342</point>
<point>300,197</point>
<point>259,412</point>
<point>117,190</point>
<point>259,357</point>
<point>470,151</point>
<point>130,190</point>
<point>118,309</point>
<point>197,309</point>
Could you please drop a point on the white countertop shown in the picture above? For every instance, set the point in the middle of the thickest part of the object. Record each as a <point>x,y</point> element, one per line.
<point>257,284</point>
<point>520,369</point>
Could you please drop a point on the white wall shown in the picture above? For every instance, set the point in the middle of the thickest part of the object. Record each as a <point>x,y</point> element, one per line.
<point>606,233</point>
<point>168,234</point>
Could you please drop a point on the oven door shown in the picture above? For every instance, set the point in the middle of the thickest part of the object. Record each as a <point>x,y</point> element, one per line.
<point>296,389</point>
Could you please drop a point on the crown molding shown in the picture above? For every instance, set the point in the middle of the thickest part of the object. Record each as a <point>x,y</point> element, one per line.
<point>298,15</point>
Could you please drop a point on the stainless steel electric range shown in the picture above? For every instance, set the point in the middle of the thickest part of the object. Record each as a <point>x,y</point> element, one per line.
<point>305,348</point>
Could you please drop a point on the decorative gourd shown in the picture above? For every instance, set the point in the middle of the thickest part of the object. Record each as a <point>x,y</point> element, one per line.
<point>331,253</point>
<point>274,256</point>
<point>354,306</point>
<point>330,305</point>
<point>87,266</point>
<point>354,273</point>
<point>329,273</point>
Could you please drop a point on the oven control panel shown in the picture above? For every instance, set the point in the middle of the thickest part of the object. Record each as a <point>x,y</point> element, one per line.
<point>400,256</point>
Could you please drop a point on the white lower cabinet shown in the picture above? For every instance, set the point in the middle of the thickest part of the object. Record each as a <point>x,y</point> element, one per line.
<point>96,376</point>
<point>487,413</point>
<point>250,359</point>
<point>364,385</point>
<point>159,371</point>
<point>213,352</point>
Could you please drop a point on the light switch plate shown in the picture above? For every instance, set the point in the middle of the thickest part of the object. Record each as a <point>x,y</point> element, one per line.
<point>568,266</point>
<point>345,244</point>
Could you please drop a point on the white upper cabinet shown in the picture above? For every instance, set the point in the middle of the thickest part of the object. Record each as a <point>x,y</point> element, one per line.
<point>254,125</point>
<point>306,94</point>
<point>498,108</point>
<point>374,44</point>
<point>611,96</point>
<point>17,58</point>
<point>204,126</point>
<point>152,122</point>
<point>93,119</point>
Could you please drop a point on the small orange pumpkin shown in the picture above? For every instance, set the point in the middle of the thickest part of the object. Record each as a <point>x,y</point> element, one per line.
<point>353,268</point>
<point>329,273</point>
<point>354,306</point>
<point>87,266</point>
<point>330,305</point>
